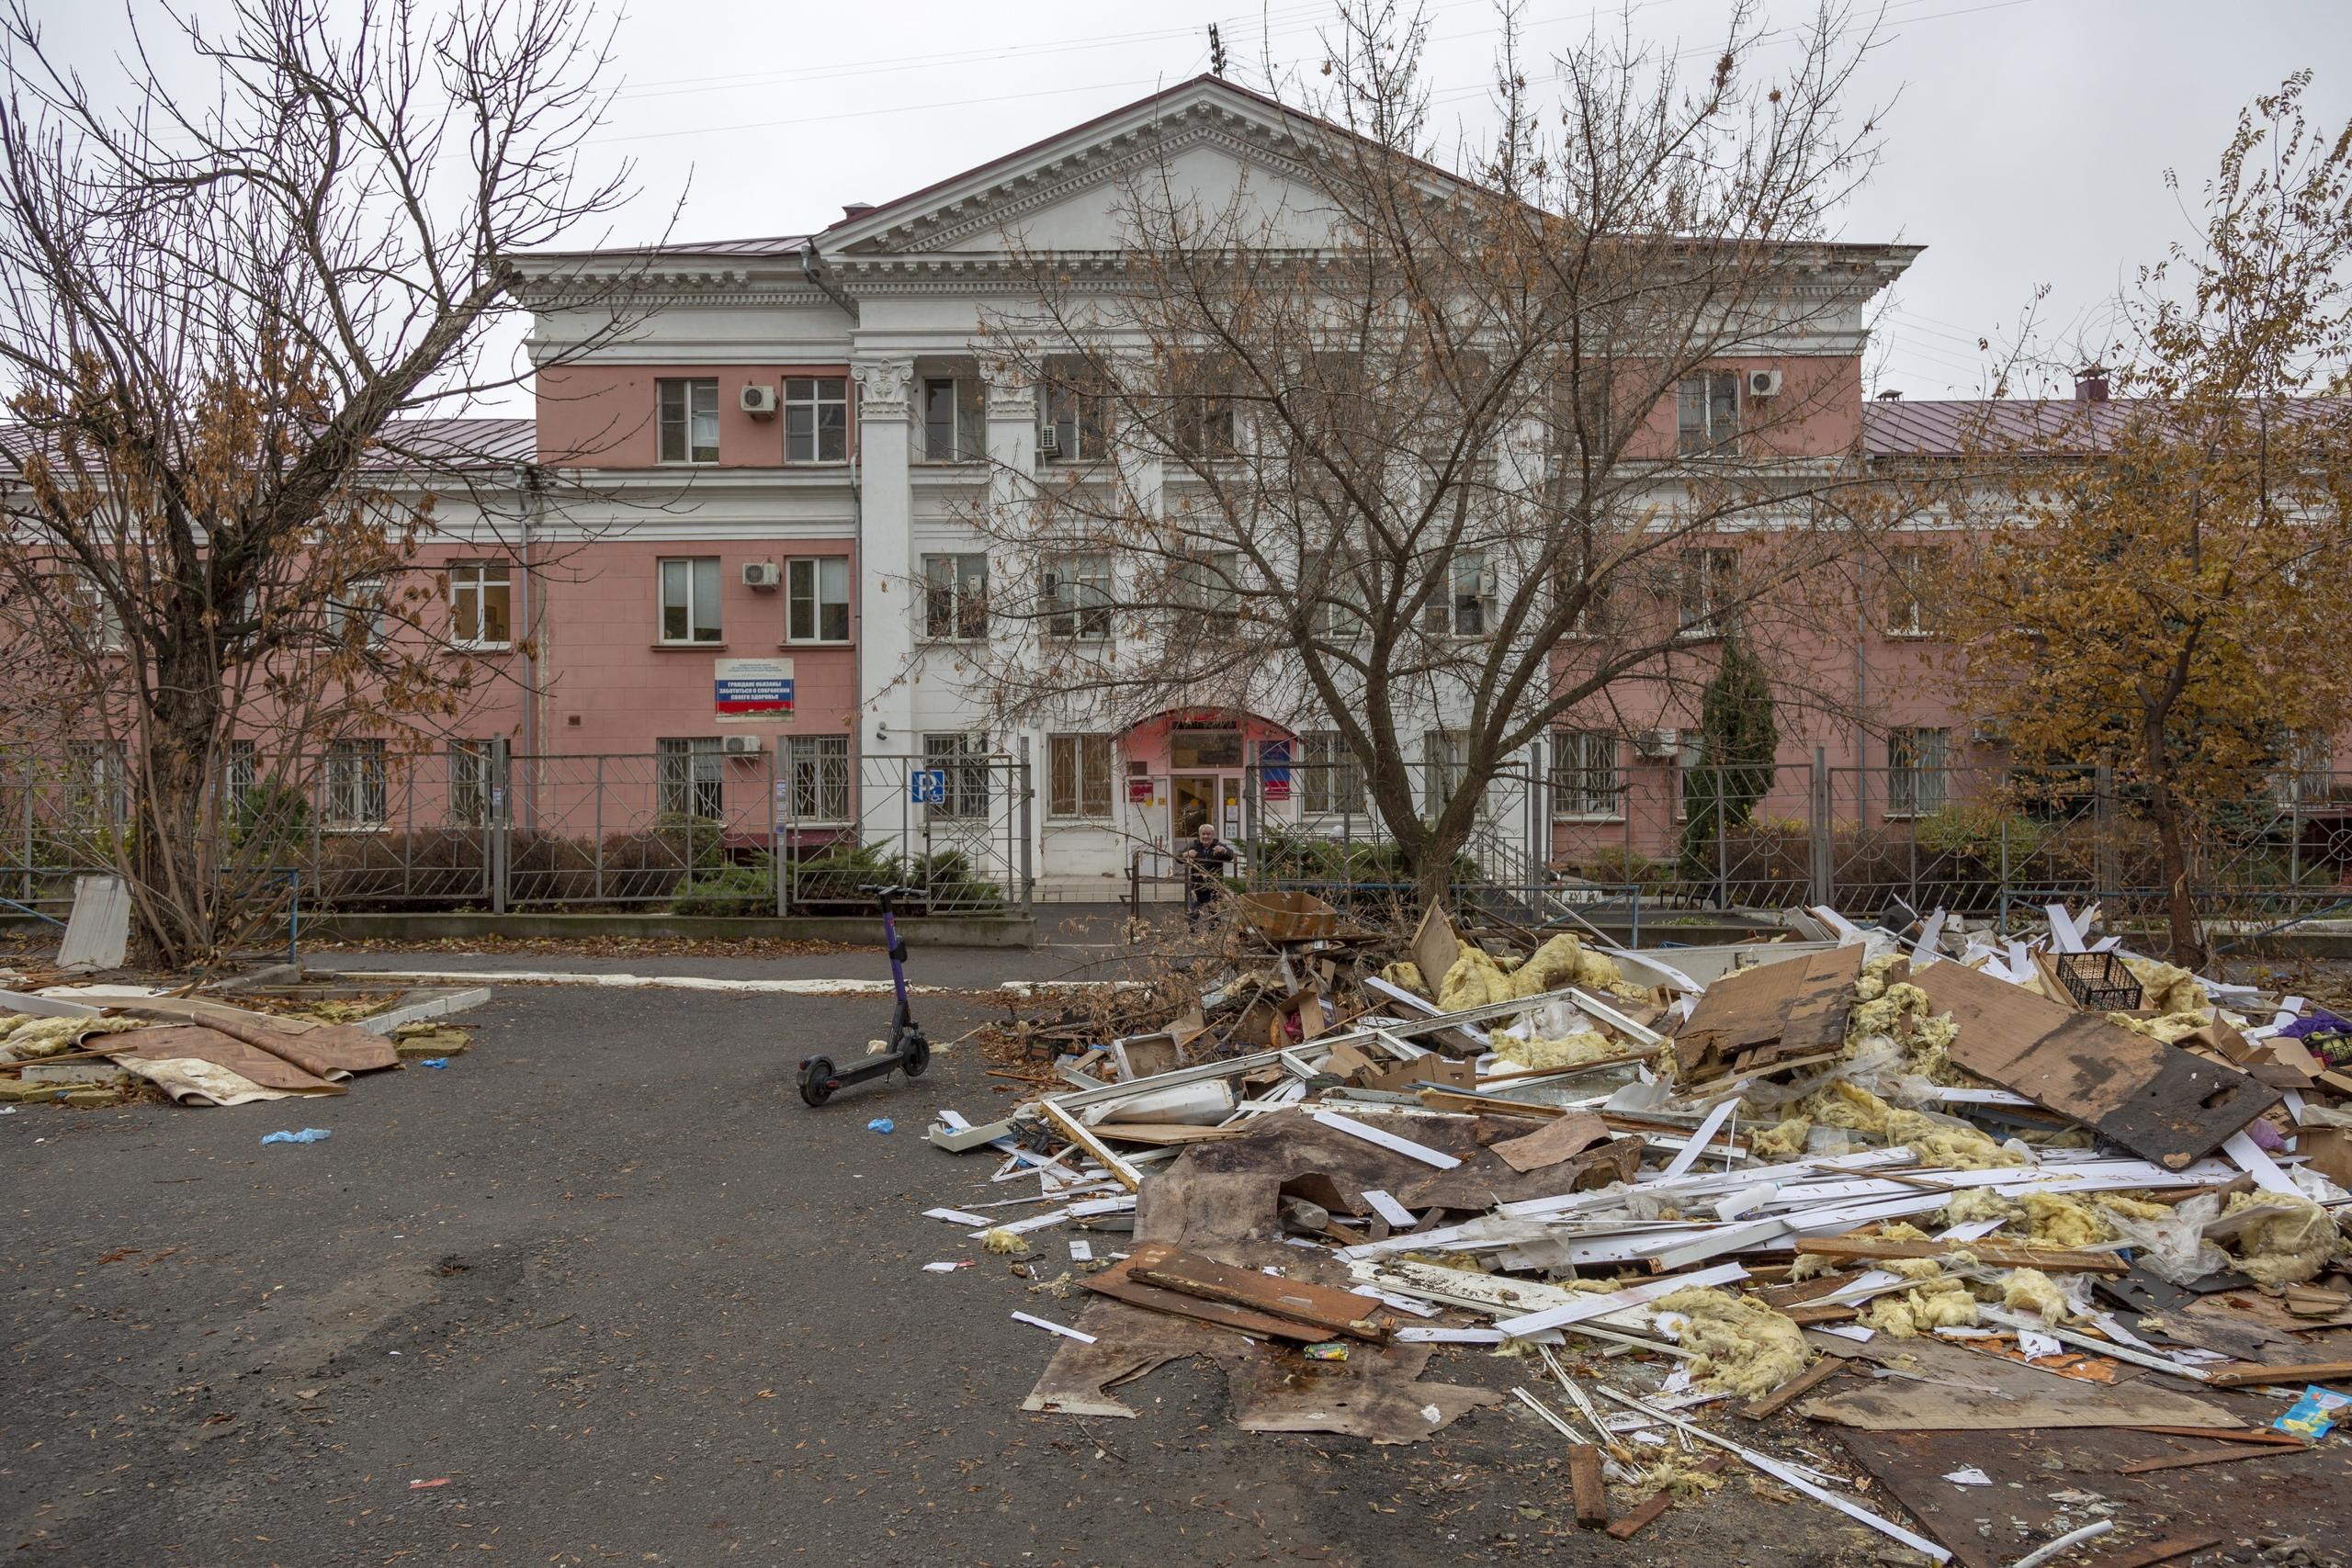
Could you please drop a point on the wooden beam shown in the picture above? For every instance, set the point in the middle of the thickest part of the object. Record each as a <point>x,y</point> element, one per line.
<point>2223,1435</point>
<point>1588,1487</point>
<point>1084,1136</point>
<point>1335,1312</point>
<point>1805,1383</point>
<point>1659,1502</point>
<point>2195,1456</point>
<point>2302,1371</point>
<point>2000,1255</point>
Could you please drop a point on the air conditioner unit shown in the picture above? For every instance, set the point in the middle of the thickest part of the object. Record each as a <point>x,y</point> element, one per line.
<point>759,399</point>
<point>1657,744</point>
<point>740,745</point>
<point>1049,442</point>
<point>761,574</point>
<point>1763,383</point>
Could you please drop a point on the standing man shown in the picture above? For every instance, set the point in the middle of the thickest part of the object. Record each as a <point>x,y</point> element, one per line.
<point>1204,856</point>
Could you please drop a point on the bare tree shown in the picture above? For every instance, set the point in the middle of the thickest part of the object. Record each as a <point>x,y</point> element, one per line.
<point>220,323</point>
<point>1402,445</point>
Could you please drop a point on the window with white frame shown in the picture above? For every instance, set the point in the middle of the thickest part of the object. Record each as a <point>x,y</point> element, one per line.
<point>1076,593</point>
<point>1584,775</point>
<point>95,613</point>
<point>481,598</point>
<point>817,773</point>
<point>1339,603</point>
<point>469,783</point>
<point>1707,590</point>
<point>690,777</point>
<point>956,597</point>
<point>360,613</point>
<point>1707,408</point>
<point>1331,779</point>
<point>953,427</point>
<point>690,599</point>
<point>816,419</point>
<point>689,422</point>
<point>1464,603</point>
<point>1209,583</point>
<point>351,792</point>
<point>1915,780</point>
<point>817,599</point>
<point>1079,776</point>
<point>1910,579</point>
<point>1200,422</point>
<point>1445,760</point>
<point>964,760</point>
<point>1074,415</point>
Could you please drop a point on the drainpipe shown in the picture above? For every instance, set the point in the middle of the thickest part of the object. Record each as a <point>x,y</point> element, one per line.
<point>814,271</point>
<point>528,479</point>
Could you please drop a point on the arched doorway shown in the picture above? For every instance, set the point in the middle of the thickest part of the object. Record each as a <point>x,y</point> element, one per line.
<point>1188,766</point>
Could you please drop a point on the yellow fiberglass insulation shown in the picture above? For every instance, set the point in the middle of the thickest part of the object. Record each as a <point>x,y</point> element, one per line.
<point>1902,1230</point>
<point>2169,1028</point>
<point>1406,976</point>
<point>2284,1249</point>
<point>1910,1267</point>
<point>1847,1105</point>
<point>2030,1290</point>
<point>24,1037</point>
<point>1743,1348</point>
<point>2165,987</point>
<point>1942,1303</point>
<point>1811,1265</point>
<point>1473,982</point>
<point>1785,1140</point>
<point>1568,1051</point>
<point>1476,979</point>
<point>1975,1205</point>
<point>999,1239</point>
<point>2063,1221</point>
<point>1955,1144</point>
<point>2133,1208</point>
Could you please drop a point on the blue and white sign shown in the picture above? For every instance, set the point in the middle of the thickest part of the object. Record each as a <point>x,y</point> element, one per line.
<point>752,688</point>
<point>928,786</point>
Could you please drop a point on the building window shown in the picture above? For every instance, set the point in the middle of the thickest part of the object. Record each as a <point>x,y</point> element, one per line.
<point>1330,780</point>
<point>817,593</point>
<point>690,777</point>
<point>1690,749</point>
<point>359,614</point>
<point>964,759</point>
<point>1464,604</point>
<point>690,599</point>
<point>1445,760</point>
<point>481,598</point>
<point>1584,775</point>
<point>956,597</point>
<point>689,421</point>
<point>1200,425</point>
<point>354,786</point>
<point>1915,783</point>
<point>1707,585</point>
<point>95,613</point>
<point>1210,582</point>
<point>469,783</point>
<point>816,419</point>
<point>953,427</point>
<point>1591,617</point>
<point>1075,414</point>
<point>1079,775</point>
<point>98,792</point>
<point>817,767</point>
<point>1077,596</point>
<point>1910,577</point>
<point>239,771</point>
<point>1707,412</point>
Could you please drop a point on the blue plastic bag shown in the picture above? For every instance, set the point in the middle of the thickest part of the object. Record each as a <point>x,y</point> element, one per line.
<point>436,1061</point>
<point>307,1135</point>
<point>881,1125</point>
<point>2313,1417</point>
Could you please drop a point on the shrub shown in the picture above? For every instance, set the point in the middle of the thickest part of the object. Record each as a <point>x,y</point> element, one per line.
<point>748,888</point>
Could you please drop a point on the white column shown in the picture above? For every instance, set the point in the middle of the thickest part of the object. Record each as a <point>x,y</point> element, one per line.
<point>886,561</point>
<point>1012,417</point>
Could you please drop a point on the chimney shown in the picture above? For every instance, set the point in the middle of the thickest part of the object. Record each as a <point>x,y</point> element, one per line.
<point>857,209</point>
<point>2090,384</point>
<point>1890,396</point>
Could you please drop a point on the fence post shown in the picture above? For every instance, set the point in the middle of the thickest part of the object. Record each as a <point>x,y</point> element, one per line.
<point>1028,827</point>
<point>779,773</point>
<point>1824,892</point>
<point>599,817</point>
<point>501,777</point>
<point>2103,818</point>
<point>2005,873</point>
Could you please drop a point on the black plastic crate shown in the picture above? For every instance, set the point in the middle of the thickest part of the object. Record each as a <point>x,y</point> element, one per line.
<point>2099,981</point>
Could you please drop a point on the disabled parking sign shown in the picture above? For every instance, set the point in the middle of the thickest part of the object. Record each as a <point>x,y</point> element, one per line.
<point>928,786</point>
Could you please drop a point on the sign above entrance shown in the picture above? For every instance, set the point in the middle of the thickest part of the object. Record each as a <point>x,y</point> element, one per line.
<point>752,688</point>
<point>1204,746</point>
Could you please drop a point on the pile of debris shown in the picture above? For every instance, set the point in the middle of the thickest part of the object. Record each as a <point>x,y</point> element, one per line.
<point>2014,1187</point>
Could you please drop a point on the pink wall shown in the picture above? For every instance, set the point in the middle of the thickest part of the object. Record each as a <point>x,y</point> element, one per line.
<point>605,415</point>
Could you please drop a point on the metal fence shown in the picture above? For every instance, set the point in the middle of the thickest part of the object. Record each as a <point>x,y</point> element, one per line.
<point>693,827</point>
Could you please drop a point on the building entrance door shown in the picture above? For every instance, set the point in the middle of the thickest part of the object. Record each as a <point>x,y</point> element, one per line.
<point>1192,800</point>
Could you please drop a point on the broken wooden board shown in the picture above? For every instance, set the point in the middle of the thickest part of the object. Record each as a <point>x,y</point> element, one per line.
<point>1434,947</point>
<point>1563,1138</point>
<point>1771,1012</point>
<point>1976,1392</point>
<point>1333,1310</point>
<point>2159,1101</point>
<point>1117,1283</point>
<point>1658,1502</point>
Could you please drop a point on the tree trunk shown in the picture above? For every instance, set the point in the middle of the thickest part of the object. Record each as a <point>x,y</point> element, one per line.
<point>175,895</point>
<point>2187,939</point>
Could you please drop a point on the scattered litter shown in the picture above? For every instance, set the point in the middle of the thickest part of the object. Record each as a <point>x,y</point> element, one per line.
<point>1063,1329</point>
<point>307,1135</point>
<point>881,1125</point>
<point>1971,1476</point>
<point>2313,1417</point>
<point>428,1486</point>
<point>947,1267</point>
<point>1329,1351</point>
<point>435,1062</point>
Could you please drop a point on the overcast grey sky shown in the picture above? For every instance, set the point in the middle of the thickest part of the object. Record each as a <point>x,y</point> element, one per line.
<point>2027,144</point>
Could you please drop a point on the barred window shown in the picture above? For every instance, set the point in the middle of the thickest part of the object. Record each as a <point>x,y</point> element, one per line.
<point>817,769</point>
<point>691,777</point>
<point>1079,775</point>
<point>965,759</point>
<point>1915,783</point>
<point>354,793</point>
<point>1584,775</point>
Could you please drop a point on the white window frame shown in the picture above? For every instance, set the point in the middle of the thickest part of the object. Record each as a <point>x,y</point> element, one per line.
<point>364,596</point>
<point>1328,776</point>
<point>808,585</point>
<point>473,580</point>
<point>690,772</point>
<point>1586,779</point>
<point>963,756</point>
<point>1077,790</point>
<point>968,438</point>
<point>239,771</point>
<point>1077,412</point>
<point>471,782</point>
<point>1209,583</point>
<point>692,576</point>
<point>1445,762</point>
<point>818,775</point>
<point>1077,595</point>
<point>696,411</point>
<point>1470,567</point>
<point>810,398</point>
<point>1907,613</point>
<point>1918,771</point>
<point>946,576</point>
<point>352,790</point>
<point>1716,428</point>
<point>1706,583</point>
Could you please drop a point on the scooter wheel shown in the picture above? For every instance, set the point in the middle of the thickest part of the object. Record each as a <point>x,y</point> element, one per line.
<point>817,1080</point>
<point>917,1054</point>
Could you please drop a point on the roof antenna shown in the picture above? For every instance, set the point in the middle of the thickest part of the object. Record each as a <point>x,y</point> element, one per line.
<point>1217,53</point>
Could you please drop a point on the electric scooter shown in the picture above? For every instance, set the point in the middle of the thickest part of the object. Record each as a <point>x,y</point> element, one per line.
<point>909,1050</point>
